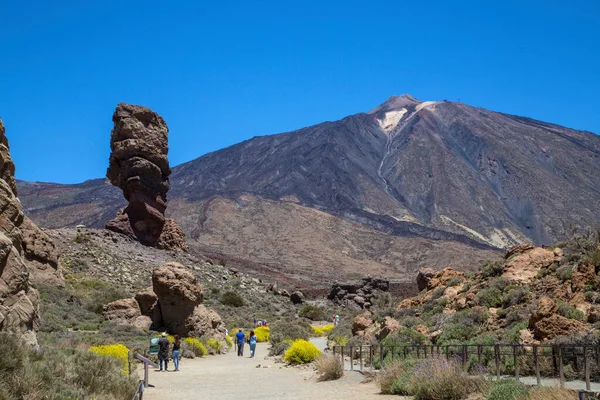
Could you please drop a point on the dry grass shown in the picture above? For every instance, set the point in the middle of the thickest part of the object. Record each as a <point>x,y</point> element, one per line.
<point>329,367</point>
<point>549,393</point>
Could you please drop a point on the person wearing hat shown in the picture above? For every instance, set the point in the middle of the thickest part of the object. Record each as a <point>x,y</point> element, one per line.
<point>163,352</point>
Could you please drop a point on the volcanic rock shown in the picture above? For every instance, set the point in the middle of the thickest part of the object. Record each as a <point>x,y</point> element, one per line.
<point>122,312</point>
<point>527,262</point>
<point>139,166</point>
<point>18,300</point>
<point>297,297</point>
<point>357,295</point>
<point>40,254</point>
<point>423,278</point>
<point>179,297</point>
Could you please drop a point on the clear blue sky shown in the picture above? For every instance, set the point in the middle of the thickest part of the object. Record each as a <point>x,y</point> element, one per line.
<point>222,72</point>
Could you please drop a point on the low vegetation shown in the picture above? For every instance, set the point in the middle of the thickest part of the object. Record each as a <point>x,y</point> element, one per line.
<point>60,374</point>
<point>329,367</point>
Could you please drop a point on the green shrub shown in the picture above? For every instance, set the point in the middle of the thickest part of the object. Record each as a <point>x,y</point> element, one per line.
<point>455,333</point>
<point>508,389</point>
<point>430,379</point>
<point>232,299</point>
<point>329,367</point>
<point>404,337</point>
<point>301,352</point>
<point>568,311</point>
<point>489,297</point>
<point>281,331</point>
<point>60,374</point>
<point>312,312</point>
<point>490,269</point>
<point>515,296</point>
<point>565,272</point>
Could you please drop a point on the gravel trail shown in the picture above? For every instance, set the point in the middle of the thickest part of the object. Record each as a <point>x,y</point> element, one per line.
<point>231,377</point>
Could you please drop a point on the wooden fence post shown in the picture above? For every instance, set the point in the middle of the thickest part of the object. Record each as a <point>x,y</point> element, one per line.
<point>536,362</point>
<point>586,368</point>
<point>561,372</point>
<point>516,361</point>
<point>497,359</point>
<point>342,356</point>
<point>360,357</point>
<point>351,358</point>
<point>465,352</point>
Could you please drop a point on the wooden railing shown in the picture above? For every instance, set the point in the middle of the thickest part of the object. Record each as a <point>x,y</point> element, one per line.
<point>522,359</point>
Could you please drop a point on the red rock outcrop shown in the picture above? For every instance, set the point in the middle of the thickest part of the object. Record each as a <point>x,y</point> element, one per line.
<point>18,299</point>
<point>139,166</point>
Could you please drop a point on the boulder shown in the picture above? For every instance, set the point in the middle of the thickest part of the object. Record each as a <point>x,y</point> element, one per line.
<point>142,322</point>
<point>359,301</point>
<point>517,249</point>
<point>361,323</point>
<point>148,302</point>
<point>206,323</point>
<point>443,277</point>
<point>122,312</point>
<point>297,297</point>
<point>389,326</point>
<point>583,275</point>
<point>556,325</point>
<point>178,292</point>
<point>423,278</point>
<point>527,263</point>
<point>140,167</point>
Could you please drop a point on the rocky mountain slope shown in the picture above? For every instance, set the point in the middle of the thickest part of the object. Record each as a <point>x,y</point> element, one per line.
<point>532,295</point>
<point>407,185</point>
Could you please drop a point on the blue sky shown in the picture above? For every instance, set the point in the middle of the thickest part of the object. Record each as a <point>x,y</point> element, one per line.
<point>222,72</point>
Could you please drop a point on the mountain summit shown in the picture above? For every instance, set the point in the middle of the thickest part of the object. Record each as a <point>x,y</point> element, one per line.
<point>411,175</point>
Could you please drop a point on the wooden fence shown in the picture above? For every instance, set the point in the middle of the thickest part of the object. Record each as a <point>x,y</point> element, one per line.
<point>499,359</point>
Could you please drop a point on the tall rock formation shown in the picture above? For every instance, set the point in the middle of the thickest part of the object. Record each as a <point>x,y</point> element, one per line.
<point>139,166</point>
<point>18,300</point>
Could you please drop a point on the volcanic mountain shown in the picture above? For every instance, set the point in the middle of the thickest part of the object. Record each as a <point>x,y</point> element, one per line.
<point>405,185</point>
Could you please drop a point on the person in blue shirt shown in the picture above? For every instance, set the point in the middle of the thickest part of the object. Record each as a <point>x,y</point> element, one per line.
<point>252,341</point>
<point>240,342</point>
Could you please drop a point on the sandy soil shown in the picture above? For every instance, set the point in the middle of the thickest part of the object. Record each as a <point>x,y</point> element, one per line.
<point>232,377</point>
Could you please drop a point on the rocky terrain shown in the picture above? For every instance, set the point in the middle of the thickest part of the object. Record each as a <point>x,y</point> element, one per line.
<point>532,295</point>
<point>140,167</point>
<point>405,186</point>
<point>23,248</point>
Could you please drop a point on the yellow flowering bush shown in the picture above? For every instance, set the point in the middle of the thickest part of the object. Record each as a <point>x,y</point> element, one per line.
<point>301,352</point>
<point>118,351</point>
<point>322,331</point>
<point>262,334</point>
<point>229,341</point>
<point>214,344</point>
<point>196,346</point>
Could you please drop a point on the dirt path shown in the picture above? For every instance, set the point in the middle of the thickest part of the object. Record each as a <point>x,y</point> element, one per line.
<point>231,377</point>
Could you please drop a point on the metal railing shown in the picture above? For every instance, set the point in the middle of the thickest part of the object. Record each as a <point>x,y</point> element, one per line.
<point>493,359</point>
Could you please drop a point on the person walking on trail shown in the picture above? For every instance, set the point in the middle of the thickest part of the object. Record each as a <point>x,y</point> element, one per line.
<point>163,352</point>
<point>255,320</point>
<point>252,342</point>
<point>337,319</point>
<point>176,352</point>
<point>240,343</point>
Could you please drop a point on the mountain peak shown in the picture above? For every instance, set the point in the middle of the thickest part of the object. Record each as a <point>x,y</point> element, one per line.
<point>396,103</point>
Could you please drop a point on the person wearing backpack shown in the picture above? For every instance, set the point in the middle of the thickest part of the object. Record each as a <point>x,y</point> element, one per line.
<point>252,342</point>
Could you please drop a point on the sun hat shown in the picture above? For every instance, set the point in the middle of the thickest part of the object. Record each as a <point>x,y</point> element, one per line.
<point>164,334</point>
